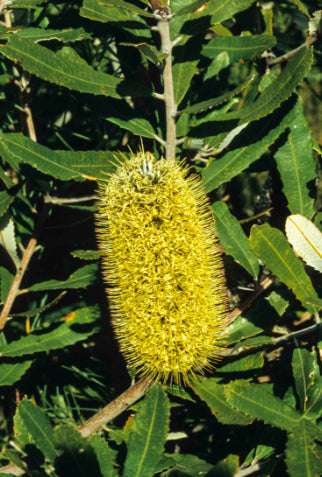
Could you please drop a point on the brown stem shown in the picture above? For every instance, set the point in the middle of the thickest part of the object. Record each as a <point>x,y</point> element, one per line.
<point>291,53</point>
<point>238,311</point>
<point>163,16</point>
<point>115,408</point>
<point>28,253</point>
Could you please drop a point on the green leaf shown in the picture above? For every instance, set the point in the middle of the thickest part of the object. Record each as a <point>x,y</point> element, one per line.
<point>7,197</point>
<point>104,455</point>
<point>94,10</point>
<point>82,278</point>
<point>246,365</point>
<point>127,6</point>
<point>65,68</point>
<point>182,75</point>
<point>302,366</point>
<point>258,403</point>
<point>239,47</point>
<point>233,238</point>
<point>138,126</point>
<point>188,464</point>
<point>67,334</point>
<point>10,373</point>
<point>279,90</point>
<point>27,3</point>
<point>41,34</point>
<point>33,426</point>
<point>211,103</point>
<point>8,237</point>
<point>263,133</point>
<point>148,435</point>
<point>221,10</point>
<point>77,456</point>
<point>297,167</point>
<point>313,406</point>
<point>6,279</point>
<point>273,249</point>
<point>87,254</point>
<point>64,165</point>
<point>303,454</point>
<point>301,7</point>
<point>214,395</point>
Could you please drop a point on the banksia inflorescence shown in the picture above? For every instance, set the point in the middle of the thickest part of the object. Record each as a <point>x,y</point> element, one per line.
<point>162,267</point>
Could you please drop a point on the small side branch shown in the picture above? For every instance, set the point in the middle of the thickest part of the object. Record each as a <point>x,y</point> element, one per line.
<point>163,16</point>
<point>115,408</point>
<point>287,56</point>
<point>74,200</point>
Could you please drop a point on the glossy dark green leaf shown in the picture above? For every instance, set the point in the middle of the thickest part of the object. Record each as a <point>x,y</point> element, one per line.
<point>148,435</point>
<point>258,403</point>
<point>303,454</point>
<point>131,7</point>
<point>263,133</point>
<point>214,395</point>
<point>41,34</point>
<point>182,75</point>
<point>10,373</point>
<point>65,165</point>
<point>233,238</point>
<point>6,279</point>
<point>32,426</point>
<point>72,331</point>
<point>82,278</point>
<point>273,249</point>
<point>104,455</point>
<point>297,167</point>
<point>239,47</point>
<point>302,367</point>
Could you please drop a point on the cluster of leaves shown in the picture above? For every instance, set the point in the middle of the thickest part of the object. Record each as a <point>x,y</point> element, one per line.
<point>79,83</point>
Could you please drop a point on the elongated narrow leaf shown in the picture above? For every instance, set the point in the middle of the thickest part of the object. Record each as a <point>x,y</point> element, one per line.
<point>313,407</point>
<point>258,403</point>
<point>6,279</point>
<point>10,373</point>
<point>94,10</point>
<point>189,465</point>
<point>263,134</point>
<point>272,248</point>
<point>65,165</point>
<point>306,239</point>
<point>87,254</point>
<point>70,332</point>
<point>303,454</point>
<point>302,7</point>
<point>239,47</point>
<point>82,278</point>
<point>138,126</point>
<point>221,10</point>
<point>65,68</point>
<point>148,435</point>
<point>104,455</point>
<point>233,238</point>
<point>131,7</point>
<point>27,3</point>
<point>182,76</point>
<point>302,366</point>
<point>6,198</point>
<point>297,167</point>
<point>37,34</point>
<point>278,91</point>
<point>33,426</point>
<point>211,103</point>
<point>214,395</point>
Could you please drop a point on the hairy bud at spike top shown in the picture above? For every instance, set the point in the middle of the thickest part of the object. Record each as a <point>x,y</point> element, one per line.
<point>163,268</point>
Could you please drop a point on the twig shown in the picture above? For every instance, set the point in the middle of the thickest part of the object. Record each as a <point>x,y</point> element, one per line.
<point>14,290</point>
<point>115,408</point>
<point>297,334</point>
<point>238,311</point>
<point>74,200</point>
<point>287,56</point>
<point>163,15</point>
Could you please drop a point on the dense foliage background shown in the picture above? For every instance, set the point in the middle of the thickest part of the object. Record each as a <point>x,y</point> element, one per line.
<point>81,82</point>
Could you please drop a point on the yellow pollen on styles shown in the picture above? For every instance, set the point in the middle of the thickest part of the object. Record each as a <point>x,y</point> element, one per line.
<point>163,269</point>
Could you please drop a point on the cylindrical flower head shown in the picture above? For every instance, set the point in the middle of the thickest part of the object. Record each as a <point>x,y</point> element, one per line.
<point>162,267</point>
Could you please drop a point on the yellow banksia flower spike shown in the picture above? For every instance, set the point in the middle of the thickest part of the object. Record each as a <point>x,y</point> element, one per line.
<point>162,267</point>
